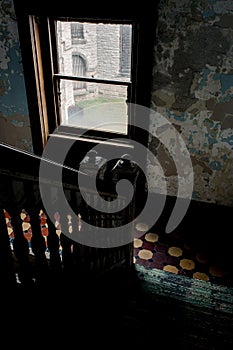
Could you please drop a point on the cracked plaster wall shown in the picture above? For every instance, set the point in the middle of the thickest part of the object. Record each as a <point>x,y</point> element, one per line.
<point>14,117</point>
<point>193,89</point>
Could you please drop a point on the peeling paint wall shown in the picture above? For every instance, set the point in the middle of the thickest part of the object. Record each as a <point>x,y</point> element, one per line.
<point>14,119</point>
<point>193,89</point>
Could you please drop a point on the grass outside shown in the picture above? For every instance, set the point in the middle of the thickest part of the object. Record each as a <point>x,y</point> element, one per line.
<point>102,113</point>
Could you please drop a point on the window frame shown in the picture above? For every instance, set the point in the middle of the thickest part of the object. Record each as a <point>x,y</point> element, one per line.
<point>36,22</point>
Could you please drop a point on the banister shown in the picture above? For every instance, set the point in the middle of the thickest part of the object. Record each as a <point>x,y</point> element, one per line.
<point>19,190</point>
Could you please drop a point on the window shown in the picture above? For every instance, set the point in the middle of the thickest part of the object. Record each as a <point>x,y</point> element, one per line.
<point>125,42</point>
<point>77,32</point>
<point>93,93</point>
<point>78,61</point>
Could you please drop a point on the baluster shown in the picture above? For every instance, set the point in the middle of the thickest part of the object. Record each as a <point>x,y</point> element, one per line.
<point>21,249</point>
<point>67,245</point>
<point>80,250</point>
<point>95,260</point>
<point>16,201</point>
<point>54,232</point>
<point>38,244</point>
<point>77,257</point>
<point>129,256</point>
<point>69,227</point>
<point>54,249</point>
<point>38,248</point>
<point>8,278</point>
<point>77,248</point>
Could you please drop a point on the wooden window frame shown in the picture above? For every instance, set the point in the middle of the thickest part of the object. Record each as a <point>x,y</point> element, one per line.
<point>38,61</point>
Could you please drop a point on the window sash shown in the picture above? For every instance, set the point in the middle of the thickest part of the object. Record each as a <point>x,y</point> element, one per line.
<point>44,121</point>
<point>80,81</point>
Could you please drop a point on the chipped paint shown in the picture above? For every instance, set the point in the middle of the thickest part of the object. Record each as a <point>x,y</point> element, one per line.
<point>227,139</point>
<point>14,116</point>
<point>225,81</point>
<point>192,87</point>
<point>193,63</point>
<point>215,165</point>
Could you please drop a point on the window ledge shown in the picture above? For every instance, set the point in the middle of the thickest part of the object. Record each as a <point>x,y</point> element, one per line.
<point>118,143</point>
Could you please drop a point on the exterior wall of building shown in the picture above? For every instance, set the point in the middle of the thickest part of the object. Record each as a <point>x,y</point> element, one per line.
<point>100,51</point>
<point>108,51</point>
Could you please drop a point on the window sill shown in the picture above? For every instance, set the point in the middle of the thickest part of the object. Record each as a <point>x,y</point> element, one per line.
<point>119,143</point>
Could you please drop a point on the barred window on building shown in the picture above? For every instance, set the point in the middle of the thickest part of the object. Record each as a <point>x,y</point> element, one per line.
<point>77,32</point>
<point>126,37</point>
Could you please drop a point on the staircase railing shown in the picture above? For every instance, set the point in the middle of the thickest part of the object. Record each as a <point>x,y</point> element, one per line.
<point>34,250</point>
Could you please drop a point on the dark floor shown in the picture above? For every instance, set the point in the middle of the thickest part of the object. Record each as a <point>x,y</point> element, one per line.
<point>118,312</point>
<point>112,313</point>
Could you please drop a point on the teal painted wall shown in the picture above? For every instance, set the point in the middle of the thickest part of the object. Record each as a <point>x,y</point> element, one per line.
<point>14,117</point>
<point>192,88</point>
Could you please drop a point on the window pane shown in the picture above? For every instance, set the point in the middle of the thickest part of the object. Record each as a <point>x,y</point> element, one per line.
<point>76,32</point>
<point>105,49</point>
<point>94,106</point>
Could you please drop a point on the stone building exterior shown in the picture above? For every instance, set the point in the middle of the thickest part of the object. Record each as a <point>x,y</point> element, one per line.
<point>98,51</point>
